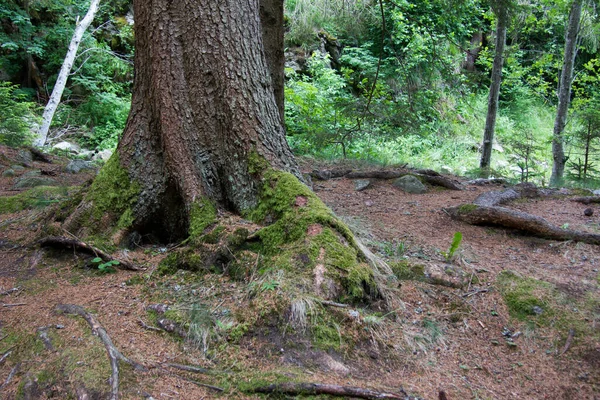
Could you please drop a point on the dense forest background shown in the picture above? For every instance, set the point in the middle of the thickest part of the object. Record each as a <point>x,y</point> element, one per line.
<point>389,82</point>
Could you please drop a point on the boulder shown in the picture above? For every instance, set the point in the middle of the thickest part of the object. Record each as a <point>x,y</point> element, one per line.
<point>410,184</point>
<point>76,166</point>
<point>66,146</point>
<point>33,181</point>
<point>361,184</point>
<point>103,155</point>
<point>24,158</point>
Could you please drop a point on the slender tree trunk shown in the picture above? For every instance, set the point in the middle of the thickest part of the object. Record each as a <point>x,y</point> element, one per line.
<point>202,105</point>
<point>494,96</point>
<point>63,75</point>
<point>564,93</point>
<point>588,140</point>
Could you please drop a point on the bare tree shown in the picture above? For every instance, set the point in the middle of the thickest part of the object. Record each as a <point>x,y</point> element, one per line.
<point>63,75</point>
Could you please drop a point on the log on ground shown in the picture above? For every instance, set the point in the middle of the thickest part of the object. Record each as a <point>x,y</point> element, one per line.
<point>485,215</point>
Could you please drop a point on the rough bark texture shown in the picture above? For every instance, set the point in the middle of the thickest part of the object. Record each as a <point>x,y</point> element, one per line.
<point>564,94</point>
<point>271,18</point>
<point>63,75</point>
<point>202,106</point>
<point>501,12</point>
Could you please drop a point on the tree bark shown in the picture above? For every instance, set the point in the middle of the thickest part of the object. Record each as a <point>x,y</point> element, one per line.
<point>271,18</point>
<point>202,104</point>
<point>63,75</point>
<point>501,12</point>
<point>564,93</point>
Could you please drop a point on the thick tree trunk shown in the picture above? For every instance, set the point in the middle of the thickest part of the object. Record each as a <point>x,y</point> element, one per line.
<point>494,96</point>
<point>202,106</point>
<point>63,75</point>
<point>564,93</point>
<point>271,18</point>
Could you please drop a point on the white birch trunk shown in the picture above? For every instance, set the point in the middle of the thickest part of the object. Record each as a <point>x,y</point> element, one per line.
<point>63,76</point>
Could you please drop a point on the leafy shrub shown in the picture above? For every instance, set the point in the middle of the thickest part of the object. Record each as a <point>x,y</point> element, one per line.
<point>16,117</point>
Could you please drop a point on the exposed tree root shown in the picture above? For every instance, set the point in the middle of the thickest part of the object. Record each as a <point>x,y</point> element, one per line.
<point>429,176</point>
<point>63,242</point>
<point>10,375</point>
<point>295,389</point>
<point>38,155</point>
<point>568,342</point>
<point>113,353</point>
<point>492,215</point>
<point>195,382</point>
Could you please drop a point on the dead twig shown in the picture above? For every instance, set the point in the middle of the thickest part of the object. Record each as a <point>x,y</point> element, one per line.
<point>191,368</point>
<point>150,328</point>
<point>60,241</point>
<point>14,305</point>
<point>113,353</point>
<point>568,342</point>
<point>5,356</point>
<point>10,375</point>
<point>215,388</point>
<point>314,389</point>
<point>333,304</point>
<point>474,292</point>
<point>9,291</point>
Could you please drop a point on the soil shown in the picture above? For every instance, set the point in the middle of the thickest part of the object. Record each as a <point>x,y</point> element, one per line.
<point>440,338</point>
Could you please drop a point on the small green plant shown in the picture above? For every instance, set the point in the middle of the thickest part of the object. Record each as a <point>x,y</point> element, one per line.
<point>456,241</point>
<point>106,267</point>
<point>269,286</point>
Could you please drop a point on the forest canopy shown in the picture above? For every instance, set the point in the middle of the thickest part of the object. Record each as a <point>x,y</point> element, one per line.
<point>390,82</point>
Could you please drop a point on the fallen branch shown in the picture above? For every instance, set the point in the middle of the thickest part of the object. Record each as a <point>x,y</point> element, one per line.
<point>9,291</point>
<point>113,353</point>
<point>5,356</point>
<point>191,368</point>
<point>485,215</point>
<point>148,327</point>
<point>295,389</point>
<point>60,241</point>
<point>333,304</point>
<point>39,155</point>
<point>586,199</point>
<point>195,382</point>
<point>568,342</point>
<point>473,293</point>
<point>14,305</point>
<point>10,375</point>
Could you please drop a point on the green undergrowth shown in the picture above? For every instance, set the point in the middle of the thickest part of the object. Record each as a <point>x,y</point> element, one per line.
<point>541,304</point>
<point>36,197</point>
<point>406,271</point>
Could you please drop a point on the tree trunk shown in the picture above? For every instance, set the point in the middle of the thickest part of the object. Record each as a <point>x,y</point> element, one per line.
<point>494,96</point>
<point>564,93</point>
<point>271,18</point>
<point>202,105</point>
<point>63,75</point>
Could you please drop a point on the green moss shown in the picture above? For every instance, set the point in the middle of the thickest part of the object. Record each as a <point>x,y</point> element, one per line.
<point>467,208</point>
<point>279,195</point>
<point>202,215</point>
<point>213,236</point>
<point>523,295</point>
<point>257,164</point>
<point>326,335</point>
<point>37,197</point>
<point>405,271</point>
<point>113,192</point>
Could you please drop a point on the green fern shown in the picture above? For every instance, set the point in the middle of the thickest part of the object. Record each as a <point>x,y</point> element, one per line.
<point>456,241</point>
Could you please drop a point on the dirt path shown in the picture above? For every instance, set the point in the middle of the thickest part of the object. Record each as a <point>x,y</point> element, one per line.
<point>468,342</point>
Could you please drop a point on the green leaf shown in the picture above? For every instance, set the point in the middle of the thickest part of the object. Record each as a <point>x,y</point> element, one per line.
<point>97,260</point>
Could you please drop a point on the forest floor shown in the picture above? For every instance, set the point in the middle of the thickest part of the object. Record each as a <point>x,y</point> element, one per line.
<point>526,325</point>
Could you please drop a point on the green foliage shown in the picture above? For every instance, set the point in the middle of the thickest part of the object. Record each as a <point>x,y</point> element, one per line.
<point>456,241</point>
<point>105,267</point>
<point>17,116</point>
<point>36,197</point>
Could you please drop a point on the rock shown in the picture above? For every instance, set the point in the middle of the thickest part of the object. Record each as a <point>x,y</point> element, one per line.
<point>446,170</point>
<point>75,166</point>
<point>588,212</point>
<point>9,173</point>
<point>66,146</point>
<point>361,184</point>
<point>24,158</point>
<point>103,155</point>
<point>33,181</point>
<point>410,184</point>
<point>596,192</point>
<point>17,168</point>
<point>537,310</point>
<point>86,154</point>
